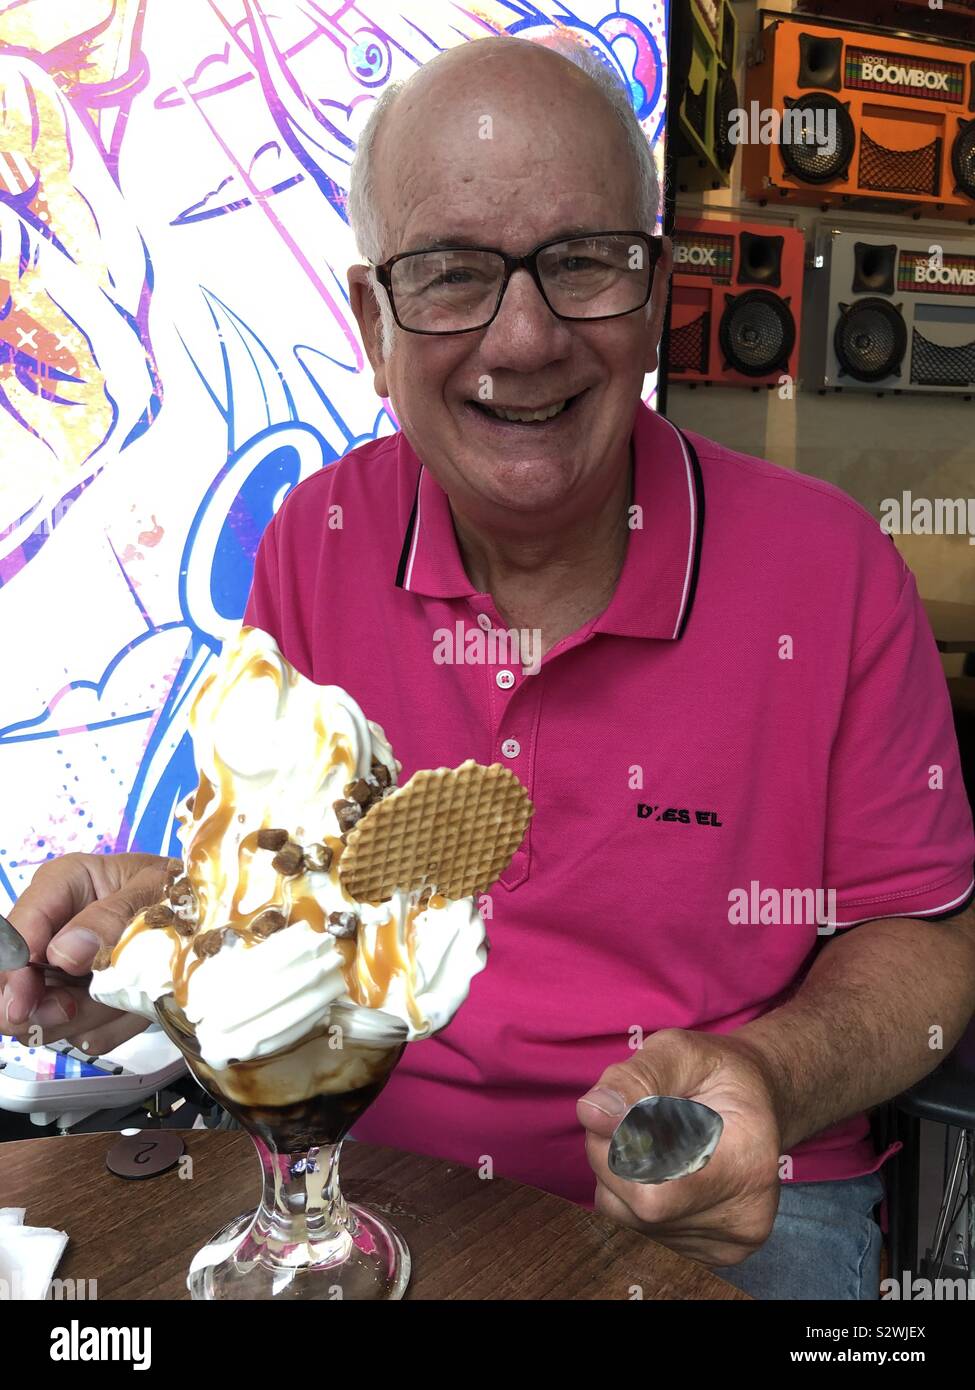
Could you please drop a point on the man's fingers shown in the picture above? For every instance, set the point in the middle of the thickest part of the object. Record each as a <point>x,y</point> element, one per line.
<point>22,992</point>
<point>83,1016</point>
<point>102,922</point>
<point>650,1202</point>
<point>57,892</point>
<point>97,1041</point>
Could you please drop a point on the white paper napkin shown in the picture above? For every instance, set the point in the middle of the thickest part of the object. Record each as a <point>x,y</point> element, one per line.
<point>29,1255</point>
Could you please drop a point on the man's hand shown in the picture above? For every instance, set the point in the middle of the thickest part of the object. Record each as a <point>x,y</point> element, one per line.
<point>724,1212</point>
<point>72,906</point>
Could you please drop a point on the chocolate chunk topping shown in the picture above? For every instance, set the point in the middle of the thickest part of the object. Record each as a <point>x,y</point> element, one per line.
<point>381,773</point>
<point>103,958</point>
<point>343,924</point>
<point>209,943</point>
<point>358,791</point>
<point>159,915</point>
<point>183,928</point>
<point>319,858</point>
<point>348,812</point>
<point>289,860</point>
<point>268,923</point>
<point>272,839</point>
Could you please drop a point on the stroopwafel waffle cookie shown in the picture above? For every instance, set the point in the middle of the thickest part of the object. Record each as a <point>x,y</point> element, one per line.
<point>452,830</point>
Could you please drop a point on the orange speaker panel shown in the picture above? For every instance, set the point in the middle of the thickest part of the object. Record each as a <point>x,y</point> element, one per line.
<point>865,121</point>
<point>736,303</point>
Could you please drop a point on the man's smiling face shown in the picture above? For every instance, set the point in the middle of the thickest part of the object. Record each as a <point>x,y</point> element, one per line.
<point>556,162</point>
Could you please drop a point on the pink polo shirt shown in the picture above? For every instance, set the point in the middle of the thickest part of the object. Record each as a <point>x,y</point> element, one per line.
<point>764,678</point>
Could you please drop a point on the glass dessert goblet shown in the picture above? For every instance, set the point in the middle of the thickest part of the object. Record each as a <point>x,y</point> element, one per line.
<point>304,1241</point>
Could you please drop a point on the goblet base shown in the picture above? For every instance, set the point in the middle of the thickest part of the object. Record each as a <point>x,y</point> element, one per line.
<point>369,1262</point>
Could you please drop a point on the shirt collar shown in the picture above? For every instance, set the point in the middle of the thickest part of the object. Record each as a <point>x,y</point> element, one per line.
<point>655,591</point>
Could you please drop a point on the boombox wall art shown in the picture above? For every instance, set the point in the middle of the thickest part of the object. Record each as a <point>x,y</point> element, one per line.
<point>900,112</point>
<point>705,54</point>
<point>736,303</point>
<point>177,351</point>
<point>891,315</point>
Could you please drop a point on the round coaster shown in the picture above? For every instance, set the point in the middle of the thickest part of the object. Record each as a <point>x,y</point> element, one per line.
<point>145,1154</point>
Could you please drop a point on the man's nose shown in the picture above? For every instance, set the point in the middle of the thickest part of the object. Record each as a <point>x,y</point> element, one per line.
<point>525,332</point>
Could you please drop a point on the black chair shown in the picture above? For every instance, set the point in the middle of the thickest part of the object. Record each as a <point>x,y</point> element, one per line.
<point>946,1097</point>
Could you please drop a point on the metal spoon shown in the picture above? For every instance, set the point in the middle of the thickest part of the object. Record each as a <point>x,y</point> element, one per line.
<point>664,1137</point>
<point>14,951</point>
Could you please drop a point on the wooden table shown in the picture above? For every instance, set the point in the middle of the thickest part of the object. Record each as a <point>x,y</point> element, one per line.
<point>953,624</point>
<point>470,1238</point>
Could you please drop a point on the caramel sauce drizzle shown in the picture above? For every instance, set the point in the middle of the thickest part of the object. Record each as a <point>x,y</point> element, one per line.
<point>368,974</point>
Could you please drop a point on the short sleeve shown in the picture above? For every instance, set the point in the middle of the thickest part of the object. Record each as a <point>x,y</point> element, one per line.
<point>263,608</point>
<point>899,839</point>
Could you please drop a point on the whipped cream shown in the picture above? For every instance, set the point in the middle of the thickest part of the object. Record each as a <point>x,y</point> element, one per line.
<point>275,751</point>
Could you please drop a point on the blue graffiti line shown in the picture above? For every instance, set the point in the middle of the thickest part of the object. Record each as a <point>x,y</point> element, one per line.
<point>12,733</point>
<point>82,728</point>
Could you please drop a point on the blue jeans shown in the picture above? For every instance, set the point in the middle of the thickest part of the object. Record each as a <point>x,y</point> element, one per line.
<point>825,1244</point>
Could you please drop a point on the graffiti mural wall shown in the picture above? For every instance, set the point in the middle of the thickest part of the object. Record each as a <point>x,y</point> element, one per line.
<point>177,352</point>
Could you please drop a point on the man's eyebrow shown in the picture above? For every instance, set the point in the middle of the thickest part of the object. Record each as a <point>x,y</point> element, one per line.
<point>464,239</point>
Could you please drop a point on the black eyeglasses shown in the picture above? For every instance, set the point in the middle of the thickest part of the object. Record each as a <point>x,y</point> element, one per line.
<point>457,289</point>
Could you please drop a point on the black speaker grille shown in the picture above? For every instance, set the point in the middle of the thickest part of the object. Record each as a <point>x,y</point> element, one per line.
<point>725,101</point>
<point>757,333</point>
<point>687,349</point>
<point>870,340</point>
<point>696,110</point>
<point>932,364</point>
<point>813,163</point>
<point>899,171</point>
<point>963,159</point>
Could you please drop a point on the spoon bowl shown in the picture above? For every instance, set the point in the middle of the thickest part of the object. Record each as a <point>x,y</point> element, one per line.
<point>664,1137</point>
<point>14,951</point>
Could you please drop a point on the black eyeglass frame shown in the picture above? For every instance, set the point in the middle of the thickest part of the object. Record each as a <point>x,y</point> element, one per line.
<point>529,262</point>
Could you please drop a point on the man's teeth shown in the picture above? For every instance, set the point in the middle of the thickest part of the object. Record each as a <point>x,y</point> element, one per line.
<point>526,416</point>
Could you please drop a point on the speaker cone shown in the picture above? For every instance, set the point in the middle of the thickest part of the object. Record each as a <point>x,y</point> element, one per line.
<point>807,159</point>
<point>870,340</point>
<point>757,333</point>
<point>725,101</point>
<point>963,160</point>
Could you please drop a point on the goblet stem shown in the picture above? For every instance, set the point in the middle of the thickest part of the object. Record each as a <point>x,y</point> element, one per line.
<point>303,1219</point>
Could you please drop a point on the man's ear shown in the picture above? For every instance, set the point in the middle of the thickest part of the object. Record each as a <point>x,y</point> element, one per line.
<point>366,310</point>
<point>658,302</point>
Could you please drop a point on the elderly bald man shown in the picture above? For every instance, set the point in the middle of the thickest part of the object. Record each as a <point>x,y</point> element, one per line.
<point>717,722</point>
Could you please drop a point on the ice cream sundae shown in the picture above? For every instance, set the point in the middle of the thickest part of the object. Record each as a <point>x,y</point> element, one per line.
<point>307,938</point>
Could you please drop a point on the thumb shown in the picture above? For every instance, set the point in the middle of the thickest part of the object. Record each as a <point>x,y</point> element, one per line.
<point>101,923</point>
<point>663,1066</point>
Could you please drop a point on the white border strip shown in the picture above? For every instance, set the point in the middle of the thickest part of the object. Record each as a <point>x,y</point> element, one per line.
<point>920,912</point>
<point>416,533</point>
<point>692,505</point>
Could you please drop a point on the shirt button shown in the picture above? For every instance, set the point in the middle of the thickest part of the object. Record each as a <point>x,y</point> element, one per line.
<point>511,748</point>
<point>505,679</point>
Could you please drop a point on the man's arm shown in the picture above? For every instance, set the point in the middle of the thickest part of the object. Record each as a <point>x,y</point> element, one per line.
<point>859,1028</point>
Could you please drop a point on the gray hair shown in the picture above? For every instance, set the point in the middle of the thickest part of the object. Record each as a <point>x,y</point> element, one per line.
<point>365,215</point>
